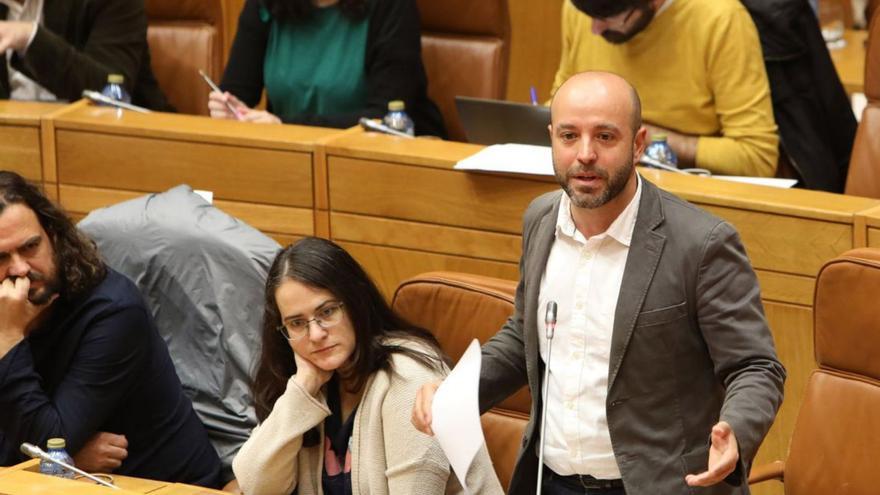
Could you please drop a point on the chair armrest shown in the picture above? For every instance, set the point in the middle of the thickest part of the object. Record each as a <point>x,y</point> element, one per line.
<point>771,471</point>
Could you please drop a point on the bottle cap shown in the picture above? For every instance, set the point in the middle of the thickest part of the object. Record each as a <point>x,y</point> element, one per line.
<point>658,137</point>
<point>56,443</point>
<point>115,78</point>
<point>396,105</point>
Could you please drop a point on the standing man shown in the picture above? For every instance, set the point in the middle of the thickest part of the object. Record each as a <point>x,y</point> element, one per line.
<point>80,357</point>
<point>54,49</point>
<point>698,68</point>
<point>663,375</point>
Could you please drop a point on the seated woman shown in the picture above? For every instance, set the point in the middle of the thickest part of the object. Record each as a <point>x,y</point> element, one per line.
<point>335,385</point>
<point>327,63</point>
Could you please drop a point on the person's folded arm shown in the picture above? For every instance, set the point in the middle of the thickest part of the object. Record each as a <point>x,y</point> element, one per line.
<point>268,461</point>
<point>103,371</point>
<point>243,76</point>
<point>116,45</point>
<point>748,144</point>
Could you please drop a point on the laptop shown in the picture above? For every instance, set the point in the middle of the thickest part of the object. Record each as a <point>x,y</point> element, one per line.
<point>499,122</point>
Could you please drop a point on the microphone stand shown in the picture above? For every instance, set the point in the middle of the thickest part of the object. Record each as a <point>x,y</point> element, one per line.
<point>35,452</point>
<point>550,329</point>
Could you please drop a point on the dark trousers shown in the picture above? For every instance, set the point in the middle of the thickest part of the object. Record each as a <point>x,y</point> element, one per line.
<point>554,484</point>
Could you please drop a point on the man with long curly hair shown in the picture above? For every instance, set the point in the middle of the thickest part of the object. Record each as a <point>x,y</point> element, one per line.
<point>80,357</point>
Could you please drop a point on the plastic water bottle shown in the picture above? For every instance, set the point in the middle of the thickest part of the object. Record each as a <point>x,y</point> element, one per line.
<point>57,451</point>
<point>114,88</point>
<point>659,150</point>
<point>397,118</point>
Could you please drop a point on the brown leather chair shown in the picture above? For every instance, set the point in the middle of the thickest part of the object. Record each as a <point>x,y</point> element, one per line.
<point>836,435</point>
<point>185,36</point>
<point>465,49</point>
<point>457,308</point>
<point>863,178</point>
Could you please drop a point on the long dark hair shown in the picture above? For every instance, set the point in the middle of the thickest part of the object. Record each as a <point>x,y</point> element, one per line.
<point>80,268</point>
<point>297,10</point>
<point>320,263</point>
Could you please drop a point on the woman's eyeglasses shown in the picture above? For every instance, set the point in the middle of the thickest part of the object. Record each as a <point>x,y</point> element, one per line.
<point>326,317</point>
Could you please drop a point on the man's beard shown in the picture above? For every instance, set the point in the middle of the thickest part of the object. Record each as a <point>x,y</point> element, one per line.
<point>646,15</point>
<point>614,184</point>
<point>41,296</point>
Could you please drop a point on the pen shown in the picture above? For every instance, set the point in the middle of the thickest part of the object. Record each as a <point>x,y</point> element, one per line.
<point>217,89</point>
<point>534,94</point>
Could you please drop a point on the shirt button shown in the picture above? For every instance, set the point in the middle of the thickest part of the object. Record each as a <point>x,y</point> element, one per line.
<point>579,306</point>
<point>569,405</point>
<point>587,255</point>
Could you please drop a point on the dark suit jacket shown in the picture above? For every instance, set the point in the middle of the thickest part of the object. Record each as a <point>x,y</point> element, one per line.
<point>690,347</point>
<point>816,123</point>
<point>80,42</point>
<point>98,364</point>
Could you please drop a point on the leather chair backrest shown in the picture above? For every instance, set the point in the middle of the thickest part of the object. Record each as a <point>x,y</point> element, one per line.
<point>465,49</point>
<point>863,178</point>
<point>871,8</point>
<point>185,36</point>
<point>834,442</point>
<point>457,308</point>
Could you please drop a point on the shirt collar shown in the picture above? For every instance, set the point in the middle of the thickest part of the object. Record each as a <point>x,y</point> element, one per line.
<point>621,229</point>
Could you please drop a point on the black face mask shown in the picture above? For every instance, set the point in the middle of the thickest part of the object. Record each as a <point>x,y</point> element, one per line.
<point>645,15</point>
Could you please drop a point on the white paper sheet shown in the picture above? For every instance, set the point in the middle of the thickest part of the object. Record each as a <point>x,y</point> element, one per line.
<point>456,413</point>
<point>760,181</point>
<point>514,158</point>
<point>538,160</point>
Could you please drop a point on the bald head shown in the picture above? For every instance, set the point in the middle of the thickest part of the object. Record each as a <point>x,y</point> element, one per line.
<point>610,88</point>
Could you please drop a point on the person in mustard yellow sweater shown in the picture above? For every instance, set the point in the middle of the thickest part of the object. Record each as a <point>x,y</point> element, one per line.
<point>698,67</point>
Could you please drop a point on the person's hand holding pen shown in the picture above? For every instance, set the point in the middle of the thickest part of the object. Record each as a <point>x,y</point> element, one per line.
<point>226,106</point>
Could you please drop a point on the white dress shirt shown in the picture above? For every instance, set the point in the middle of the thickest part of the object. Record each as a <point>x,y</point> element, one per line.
<point>22,87</point>
<point>583,276</point>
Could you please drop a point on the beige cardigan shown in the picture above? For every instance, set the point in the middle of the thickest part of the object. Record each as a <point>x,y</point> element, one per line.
<point>389,456</point>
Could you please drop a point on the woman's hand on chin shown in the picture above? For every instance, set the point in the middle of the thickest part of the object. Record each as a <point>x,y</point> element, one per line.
<point>309,376</point>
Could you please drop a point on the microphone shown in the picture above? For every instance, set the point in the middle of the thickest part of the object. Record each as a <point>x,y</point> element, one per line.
<point>372,125</point>
<point>35,452</point>
<point>549,329</point>
<point>99,98</point>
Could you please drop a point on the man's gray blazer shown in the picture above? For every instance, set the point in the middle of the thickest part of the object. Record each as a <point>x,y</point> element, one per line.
<point>690,347</point>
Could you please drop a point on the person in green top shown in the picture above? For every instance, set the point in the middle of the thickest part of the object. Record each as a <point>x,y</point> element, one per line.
<point>326,63</point>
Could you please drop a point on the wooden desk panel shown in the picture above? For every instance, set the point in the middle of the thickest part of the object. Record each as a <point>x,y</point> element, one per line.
<point>261,174</point>
<point>20,150</point>
<point>276,221</point>
<point>870,222</point>
<point>20,143</point>
<point>426,237</point>
<point>149,165</point>
<point>30,481</point>
<point>388,266</point>
<point>431,195</point>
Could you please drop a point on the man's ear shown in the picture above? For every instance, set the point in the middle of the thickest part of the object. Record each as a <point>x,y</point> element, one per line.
<point>640,141</point>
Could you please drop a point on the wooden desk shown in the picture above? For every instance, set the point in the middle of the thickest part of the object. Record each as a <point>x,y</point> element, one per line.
<point>259,173</point>
<point>415,213</point>
<point>21,143</point>
<point>850,61</point>
<point>25,479</point>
